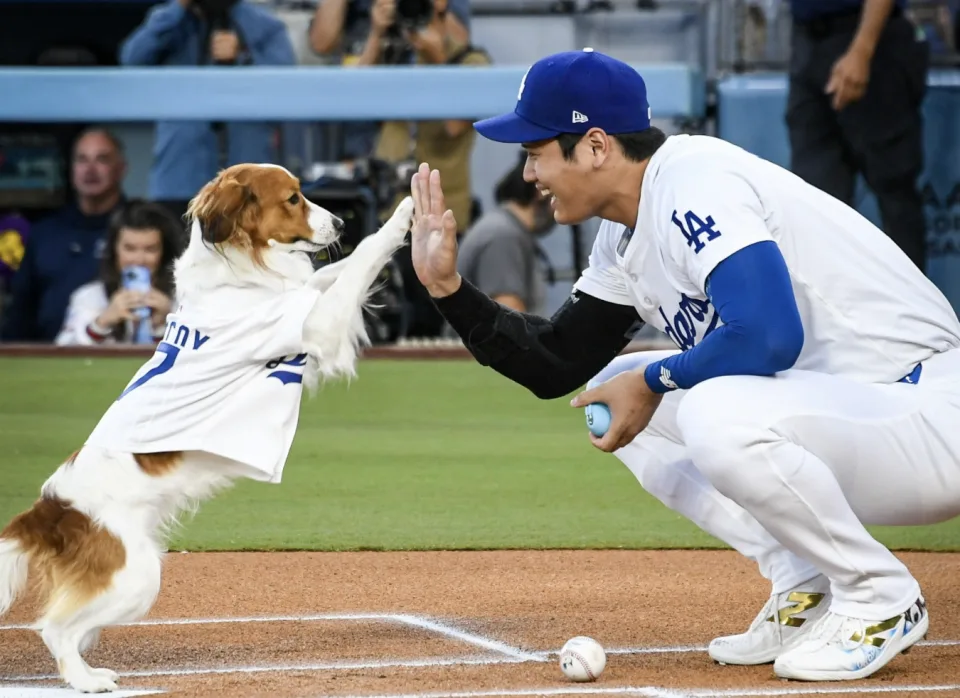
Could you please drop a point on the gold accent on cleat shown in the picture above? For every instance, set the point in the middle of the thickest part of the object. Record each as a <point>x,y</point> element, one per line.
<point>803,601</point>
<point>874,630</point>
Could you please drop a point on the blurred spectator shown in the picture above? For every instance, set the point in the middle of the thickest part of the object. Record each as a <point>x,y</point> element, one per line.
<point>14,232</point>
<point>371,32</point>
<point>448,144</point>
<point>858,77</point>
<point>187,154</point>
<point>102,311</point>
<point>500,253</point>
<point>937,19</point>
<point>63,250</point>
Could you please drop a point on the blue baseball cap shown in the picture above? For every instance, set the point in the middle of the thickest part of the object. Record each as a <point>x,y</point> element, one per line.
<point>572,92</point>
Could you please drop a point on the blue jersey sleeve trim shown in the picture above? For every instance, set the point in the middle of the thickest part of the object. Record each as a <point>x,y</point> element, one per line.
<point>761,334</point>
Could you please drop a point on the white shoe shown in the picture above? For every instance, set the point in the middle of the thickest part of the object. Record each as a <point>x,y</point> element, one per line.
<point>841,648</point>
<point>781,625</point>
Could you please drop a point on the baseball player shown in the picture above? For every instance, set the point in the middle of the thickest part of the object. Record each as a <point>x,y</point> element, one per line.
<point>816,386</point>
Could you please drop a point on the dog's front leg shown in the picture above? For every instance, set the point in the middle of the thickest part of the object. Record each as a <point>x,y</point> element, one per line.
<point>346,295</point>
<point>324,277</point>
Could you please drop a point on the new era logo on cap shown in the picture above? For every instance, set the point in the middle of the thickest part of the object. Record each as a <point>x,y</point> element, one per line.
<point>558,93</point>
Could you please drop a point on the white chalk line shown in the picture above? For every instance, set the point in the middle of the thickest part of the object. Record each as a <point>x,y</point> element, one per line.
<point>428,624</point>
<point>657,692</point>
<point>508,655</point>
<point>240,619</point>
<point>416,621</point>
<point>280,668</point>
<point>471,638</point>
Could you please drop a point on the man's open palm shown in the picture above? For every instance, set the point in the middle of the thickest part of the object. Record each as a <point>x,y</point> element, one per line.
<point>433,234</point>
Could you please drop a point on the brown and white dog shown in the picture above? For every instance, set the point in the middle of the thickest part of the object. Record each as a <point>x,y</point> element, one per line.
<point>95,538</point>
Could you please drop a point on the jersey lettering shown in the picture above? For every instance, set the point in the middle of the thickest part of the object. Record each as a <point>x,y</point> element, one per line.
<point>690,313</point>
<point>175,338</point>
<point>695,228</point>
<point>286,376</point>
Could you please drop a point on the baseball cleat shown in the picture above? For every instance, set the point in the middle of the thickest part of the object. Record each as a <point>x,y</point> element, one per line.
<point>781,625</point>
<point>841,648</point>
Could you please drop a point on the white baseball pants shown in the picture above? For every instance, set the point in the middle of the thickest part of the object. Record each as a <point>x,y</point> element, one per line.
<point>789,469</point>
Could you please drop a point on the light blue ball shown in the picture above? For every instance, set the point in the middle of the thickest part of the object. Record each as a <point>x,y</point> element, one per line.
<point>598,418</point>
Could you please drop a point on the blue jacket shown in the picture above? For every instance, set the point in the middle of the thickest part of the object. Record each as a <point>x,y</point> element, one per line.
<point>62,254</point>
<point>186,153</point>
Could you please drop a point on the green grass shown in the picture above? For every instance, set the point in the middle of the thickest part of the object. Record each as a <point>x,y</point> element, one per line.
<point>413,455</point>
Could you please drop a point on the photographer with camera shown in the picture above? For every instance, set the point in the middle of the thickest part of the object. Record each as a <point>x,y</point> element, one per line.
<point>187,154</point>
<point>446,144</point>
<point>374,32</point>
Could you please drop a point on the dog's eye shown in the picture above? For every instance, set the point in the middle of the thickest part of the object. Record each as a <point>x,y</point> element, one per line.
<point>295,199</point>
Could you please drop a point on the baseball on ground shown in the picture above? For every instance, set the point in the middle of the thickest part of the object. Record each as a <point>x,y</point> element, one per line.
<point>582,659</point>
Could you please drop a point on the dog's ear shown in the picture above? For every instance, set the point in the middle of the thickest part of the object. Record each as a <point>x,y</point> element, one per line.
<point>221,207</point>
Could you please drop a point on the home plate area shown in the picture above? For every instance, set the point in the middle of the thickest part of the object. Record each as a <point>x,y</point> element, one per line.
<point>460,624</point>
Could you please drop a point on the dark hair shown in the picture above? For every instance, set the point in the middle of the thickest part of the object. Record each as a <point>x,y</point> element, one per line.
<point>143,215</point>
<point>636,147</point>
<point>512,186</point>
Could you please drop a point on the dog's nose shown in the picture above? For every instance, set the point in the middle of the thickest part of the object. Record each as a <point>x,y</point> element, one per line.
<point>338,224</point>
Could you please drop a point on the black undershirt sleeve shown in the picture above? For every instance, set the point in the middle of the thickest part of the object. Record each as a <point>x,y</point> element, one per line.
<point>551,358</point>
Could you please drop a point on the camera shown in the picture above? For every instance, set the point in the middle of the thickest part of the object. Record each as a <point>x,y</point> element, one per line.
<point>414,14</point>
<point>216,12</point>
<point>411,16</point>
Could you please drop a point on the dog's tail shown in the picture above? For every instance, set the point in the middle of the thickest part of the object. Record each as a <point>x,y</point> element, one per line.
<point>14,566</point>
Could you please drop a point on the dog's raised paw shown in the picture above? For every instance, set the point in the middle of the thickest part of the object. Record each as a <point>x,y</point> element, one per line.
<point>395,230</point>
<point>404,213</point>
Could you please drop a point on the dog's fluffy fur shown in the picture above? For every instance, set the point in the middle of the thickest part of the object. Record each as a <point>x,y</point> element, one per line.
<point>94,539</point>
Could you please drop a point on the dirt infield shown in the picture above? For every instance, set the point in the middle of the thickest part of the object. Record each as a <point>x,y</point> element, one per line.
<point>363,624</point>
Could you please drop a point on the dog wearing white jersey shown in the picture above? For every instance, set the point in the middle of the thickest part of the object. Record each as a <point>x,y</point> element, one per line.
<point>255,324</point>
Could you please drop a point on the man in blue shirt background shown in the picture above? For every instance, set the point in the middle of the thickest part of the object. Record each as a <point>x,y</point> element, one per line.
<point>187,154</point>
<point>858,75</point>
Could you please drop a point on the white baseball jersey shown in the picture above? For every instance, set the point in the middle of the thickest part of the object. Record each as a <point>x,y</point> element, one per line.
<point>226,379</point>
<point>868,313</point>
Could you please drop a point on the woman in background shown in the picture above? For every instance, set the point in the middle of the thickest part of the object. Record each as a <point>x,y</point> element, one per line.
<point>141,234</point>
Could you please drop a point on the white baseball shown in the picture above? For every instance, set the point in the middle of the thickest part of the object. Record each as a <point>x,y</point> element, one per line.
<point>582,659</point>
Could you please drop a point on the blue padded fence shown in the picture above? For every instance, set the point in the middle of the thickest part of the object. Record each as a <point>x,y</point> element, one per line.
<point>311,93</point>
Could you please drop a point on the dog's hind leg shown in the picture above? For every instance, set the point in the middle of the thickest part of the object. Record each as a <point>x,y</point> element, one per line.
<point>89,641</point>
<point>129,597</point>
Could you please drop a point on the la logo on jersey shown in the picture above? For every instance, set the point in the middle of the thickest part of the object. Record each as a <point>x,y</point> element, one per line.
<point>692,320</point>
<point>292,371</point>
<point>698,232</point>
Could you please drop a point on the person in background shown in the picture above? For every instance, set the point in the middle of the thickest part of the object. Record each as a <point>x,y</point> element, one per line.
<point>187,154</point>
<point>447,143</point>
<point>500,254</point>
<point>858,78</point>
<point>102,311</point>
<point>64,249</point>
<point>366,32</point>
